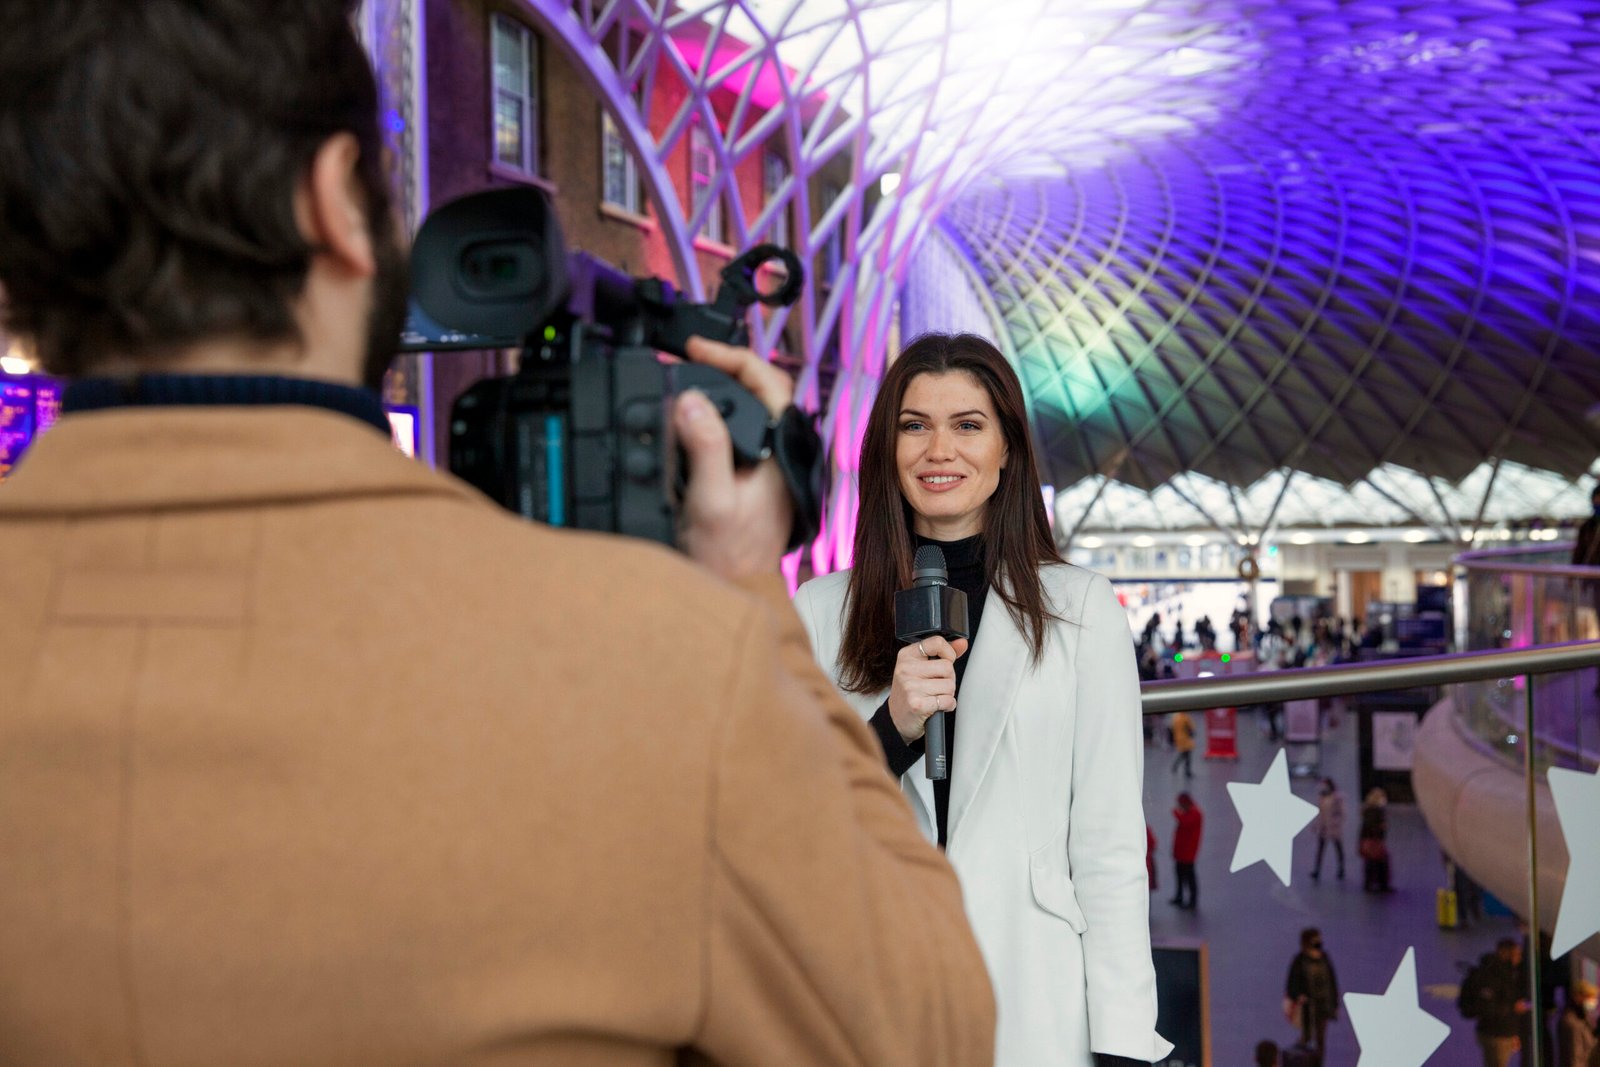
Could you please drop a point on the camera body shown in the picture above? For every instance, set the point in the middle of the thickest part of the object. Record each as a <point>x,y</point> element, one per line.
<point>584,439</point>
<point>581,434</point>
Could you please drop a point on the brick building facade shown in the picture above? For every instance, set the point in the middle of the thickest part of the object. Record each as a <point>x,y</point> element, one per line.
<point>470,117</point>
<point>481,136</point>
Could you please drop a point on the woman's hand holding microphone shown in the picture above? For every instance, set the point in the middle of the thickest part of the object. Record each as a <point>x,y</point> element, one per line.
<point>924,682</point>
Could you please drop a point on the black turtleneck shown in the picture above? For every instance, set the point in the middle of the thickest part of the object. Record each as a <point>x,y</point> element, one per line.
<point>964,560</point>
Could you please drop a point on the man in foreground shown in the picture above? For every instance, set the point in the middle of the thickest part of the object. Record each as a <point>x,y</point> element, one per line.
<point>311,755</point>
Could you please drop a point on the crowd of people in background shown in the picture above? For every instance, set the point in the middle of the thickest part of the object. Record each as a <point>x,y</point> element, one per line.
<point>1493,996</point>
<point>1311,996</point>
<point>1189,825</point>
<point>1330,826</point>
<point>1282,644</point>
<point>1577,1034</point>
<point>1496,996</point>
<point>1374,846</point>
<point>1494,993</point>
<point>1182,736</point>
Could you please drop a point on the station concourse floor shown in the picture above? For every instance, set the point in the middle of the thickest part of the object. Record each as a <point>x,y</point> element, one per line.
<point>1251,923</point>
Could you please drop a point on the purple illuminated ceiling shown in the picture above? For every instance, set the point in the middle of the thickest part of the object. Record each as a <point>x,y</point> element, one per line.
<point>1385,251</point>
<point>1223,240</point>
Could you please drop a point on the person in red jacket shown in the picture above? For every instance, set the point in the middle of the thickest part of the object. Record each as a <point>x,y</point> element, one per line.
<point>1185,847</point>
<point>1150,855</point>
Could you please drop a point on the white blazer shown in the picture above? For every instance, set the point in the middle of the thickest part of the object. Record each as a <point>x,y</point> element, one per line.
<point>1046,824</point>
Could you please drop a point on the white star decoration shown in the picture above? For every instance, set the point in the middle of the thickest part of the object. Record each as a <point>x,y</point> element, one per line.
<point>1272,815</point>
<point>1577,797</point>
<point>1392,1029</point>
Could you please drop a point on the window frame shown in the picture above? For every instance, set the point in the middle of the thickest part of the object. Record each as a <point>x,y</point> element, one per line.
<point>833,245</point>
<point>774,172</point>
<point>714,228</point>
<point>527,96</point>
<point>633,192</point>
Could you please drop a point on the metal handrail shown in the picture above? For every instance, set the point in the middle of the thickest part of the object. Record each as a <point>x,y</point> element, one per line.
<point>1502,561</point>
<point>1509,552</point>
<point>1270,687</point>
<point>1542,570</point>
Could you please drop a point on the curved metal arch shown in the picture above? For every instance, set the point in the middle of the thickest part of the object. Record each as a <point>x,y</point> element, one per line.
<point>865,87</point>
<point>581,40</point>
<point>1498,172</point>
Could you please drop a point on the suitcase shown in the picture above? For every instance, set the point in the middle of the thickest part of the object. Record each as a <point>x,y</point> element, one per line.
<point>1449,917</point>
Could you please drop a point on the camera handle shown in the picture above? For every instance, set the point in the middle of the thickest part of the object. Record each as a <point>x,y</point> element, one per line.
<point>739,290</point>
<point>790,440</point>
<point>669,320</point>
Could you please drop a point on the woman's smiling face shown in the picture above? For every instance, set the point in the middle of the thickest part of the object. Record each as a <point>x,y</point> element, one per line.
<point>949,450</point>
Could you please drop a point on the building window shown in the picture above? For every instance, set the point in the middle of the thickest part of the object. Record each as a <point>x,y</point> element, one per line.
<point>833,248</point>
<point>516,96</point>
<point>702,179</point>
<point>774,172</point>
<point>619,183</point>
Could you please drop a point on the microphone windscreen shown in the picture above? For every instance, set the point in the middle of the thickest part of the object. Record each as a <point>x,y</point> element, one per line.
<point>929,558</point>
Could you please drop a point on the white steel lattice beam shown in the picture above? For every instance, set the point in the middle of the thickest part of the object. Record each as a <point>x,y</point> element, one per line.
<point>1224,238</point>
<point>944,94</point>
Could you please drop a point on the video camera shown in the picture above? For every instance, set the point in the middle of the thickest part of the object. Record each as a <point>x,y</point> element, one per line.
<point>581,435</point>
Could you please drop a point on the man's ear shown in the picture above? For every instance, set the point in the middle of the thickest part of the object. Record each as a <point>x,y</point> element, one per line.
<point>331,209</point>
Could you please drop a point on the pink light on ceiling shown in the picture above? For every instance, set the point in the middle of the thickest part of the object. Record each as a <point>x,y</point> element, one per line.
<point>731,66</point>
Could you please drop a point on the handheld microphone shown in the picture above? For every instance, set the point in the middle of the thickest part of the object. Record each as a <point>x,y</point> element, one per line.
<point>930,608</point>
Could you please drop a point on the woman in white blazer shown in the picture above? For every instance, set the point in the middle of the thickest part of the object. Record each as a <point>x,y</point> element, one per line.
<point>1041,814</point>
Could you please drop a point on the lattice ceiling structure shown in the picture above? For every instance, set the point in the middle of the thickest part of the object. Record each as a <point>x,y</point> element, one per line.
<point>1227,244</point>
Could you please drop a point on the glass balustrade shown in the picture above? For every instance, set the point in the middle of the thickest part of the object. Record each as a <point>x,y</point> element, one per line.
<point>1476,842</point>
<point>1518,598</point>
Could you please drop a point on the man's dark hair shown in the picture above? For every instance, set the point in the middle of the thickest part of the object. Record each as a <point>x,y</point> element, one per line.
<point>1309,936</point>
<point>152,150</point>
<point>1267,1054</point>
<point>1506,945</point>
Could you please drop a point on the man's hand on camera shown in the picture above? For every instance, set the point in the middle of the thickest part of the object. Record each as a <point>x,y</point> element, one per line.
<point>733,522</point>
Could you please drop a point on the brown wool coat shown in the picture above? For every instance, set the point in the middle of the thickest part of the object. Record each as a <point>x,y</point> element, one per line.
<point>311,756</point>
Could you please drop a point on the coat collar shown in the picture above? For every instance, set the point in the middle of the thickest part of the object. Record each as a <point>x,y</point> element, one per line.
<point>131,459</point>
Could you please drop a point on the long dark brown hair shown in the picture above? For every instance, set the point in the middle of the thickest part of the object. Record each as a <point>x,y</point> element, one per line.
<point>1016,532</point>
